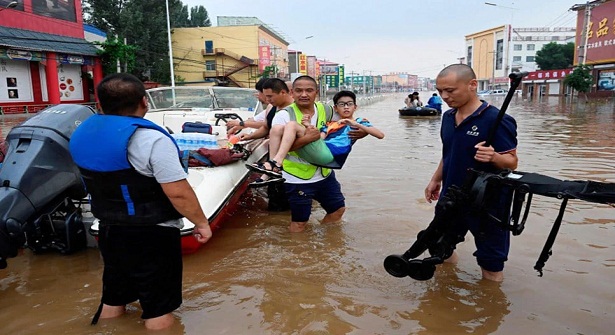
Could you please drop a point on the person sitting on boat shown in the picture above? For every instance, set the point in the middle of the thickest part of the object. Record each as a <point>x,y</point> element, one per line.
<point>278,95</point>
<point>417,100</point>
<point>260,119</point>
<point>435,102</point>
<point>408,101</point>
<point>139,192</point>
<point>334,145</point>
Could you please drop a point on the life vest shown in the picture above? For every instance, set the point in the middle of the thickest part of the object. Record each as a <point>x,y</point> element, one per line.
<point>119,194</point>
<point>295,165</point>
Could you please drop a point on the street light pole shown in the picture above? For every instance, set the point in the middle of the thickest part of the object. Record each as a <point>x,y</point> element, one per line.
<point>170,53</point>
<point>170,46</point>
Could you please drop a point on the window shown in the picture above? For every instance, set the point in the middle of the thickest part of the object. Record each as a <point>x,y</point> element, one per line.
<point>529,59</point>
<point>469,56</point>
<point>499,54</point>
<point>531,47</point>
<point>210,65</point>
<point>209,47</point>
<point>516,58</point>
<point>554,38</point>
<point>517,47</point>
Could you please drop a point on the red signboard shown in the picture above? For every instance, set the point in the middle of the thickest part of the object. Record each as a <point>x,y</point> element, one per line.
<point>600,35</point>
<point>303,64</point>
<point>548,74</point>
<point>311,66</point>
<point>264,57</point>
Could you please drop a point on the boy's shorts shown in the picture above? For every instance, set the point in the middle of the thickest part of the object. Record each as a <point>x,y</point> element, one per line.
<point>327,192</point>
<point>316,152</point>
<point>142,263</point>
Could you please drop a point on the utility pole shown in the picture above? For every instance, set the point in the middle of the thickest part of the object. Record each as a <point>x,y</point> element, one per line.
<point>582,56</point>
<point>275,60</point>
<point>352,73</point>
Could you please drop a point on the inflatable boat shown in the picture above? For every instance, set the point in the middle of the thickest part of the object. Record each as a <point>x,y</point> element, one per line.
<point>418,111</point>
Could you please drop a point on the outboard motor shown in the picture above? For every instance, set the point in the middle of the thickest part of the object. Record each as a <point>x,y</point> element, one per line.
<point>38,181</point>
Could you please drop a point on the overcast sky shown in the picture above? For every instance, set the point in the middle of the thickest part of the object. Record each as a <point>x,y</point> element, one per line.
<point>416,36</point>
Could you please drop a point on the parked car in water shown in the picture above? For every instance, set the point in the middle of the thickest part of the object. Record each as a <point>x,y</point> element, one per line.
<point>496,92</point>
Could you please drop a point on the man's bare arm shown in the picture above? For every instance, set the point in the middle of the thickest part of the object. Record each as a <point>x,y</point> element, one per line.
<point>183,198</point>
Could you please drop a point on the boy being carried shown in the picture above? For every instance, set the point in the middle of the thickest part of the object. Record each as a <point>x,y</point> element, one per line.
<point>334,145</point>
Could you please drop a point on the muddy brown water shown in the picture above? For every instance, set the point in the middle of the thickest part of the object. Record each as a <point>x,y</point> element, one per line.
<point>254,277</point>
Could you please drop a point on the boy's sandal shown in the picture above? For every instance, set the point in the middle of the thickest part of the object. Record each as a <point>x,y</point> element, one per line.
<point>274,169</point>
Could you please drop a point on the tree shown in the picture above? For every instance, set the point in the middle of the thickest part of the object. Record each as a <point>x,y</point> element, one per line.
<point>113,51</point>
<point>199,17</point>
<point>143,24</point>
<point>104,15</point>
<point>555,56</point>
<point>580,79</point>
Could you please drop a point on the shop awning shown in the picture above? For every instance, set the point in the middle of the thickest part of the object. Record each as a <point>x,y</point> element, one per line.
<point>35,41</point>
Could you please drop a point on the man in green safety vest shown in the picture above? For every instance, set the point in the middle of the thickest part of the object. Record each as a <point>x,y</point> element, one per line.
<point>306,182</point>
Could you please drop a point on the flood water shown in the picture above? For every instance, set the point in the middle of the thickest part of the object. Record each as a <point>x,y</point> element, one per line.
<point>254,277</point>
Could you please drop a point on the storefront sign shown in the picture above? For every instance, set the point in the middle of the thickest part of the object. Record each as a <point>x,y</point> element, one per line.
<point>312,67</point>
<point>264,57</point>
<point>600,35</point>
<point>548,74</point>
<point>303,64</point>
<point>75,59</point>
<point>14,54</point>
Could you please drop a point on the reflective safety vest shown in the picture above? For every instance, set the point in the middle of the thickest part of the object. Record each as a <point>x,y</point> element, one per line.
<point>295,165</point>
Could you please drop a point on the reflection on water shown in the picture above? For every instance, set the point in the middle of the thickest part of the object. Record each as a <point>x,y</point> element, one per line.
<point>256,278</point>
<point>479,307</point>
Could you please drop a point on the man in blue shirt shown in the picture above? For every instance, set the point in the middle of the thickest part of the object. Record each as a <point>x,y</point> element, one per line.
<point>464,131</point>
<point>435,102</point>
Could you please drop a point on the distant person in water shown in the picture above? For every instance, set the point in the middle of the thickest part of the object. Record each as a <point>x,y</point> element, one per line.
<point>435,102</point>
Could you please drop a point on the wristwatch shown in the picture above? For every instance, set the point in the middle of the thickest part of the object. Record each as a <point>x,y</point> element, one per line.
<point>242,124</point>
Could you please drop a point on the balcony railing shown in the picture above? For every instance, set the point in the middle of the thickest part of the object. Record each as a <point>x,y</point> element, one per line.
<point>27,109</point>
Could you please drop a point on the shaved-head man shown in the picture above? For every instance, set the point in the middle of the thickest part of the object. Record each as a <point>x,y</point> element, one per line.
<point>464,131</point>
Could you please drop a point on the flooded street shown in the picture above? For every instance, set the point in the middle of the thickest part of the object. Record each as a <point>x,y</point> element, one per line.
<point>254,277</point>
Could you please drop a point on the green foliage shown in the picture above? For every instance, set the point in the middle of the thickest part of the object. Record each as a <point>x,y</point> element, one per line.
<point>269,71</point>
<point>580,79</point>
<point>555,56</point>
<point>114,50</point>
<point>104,14</point>
<point>199,17</point>
<point>143,24</point>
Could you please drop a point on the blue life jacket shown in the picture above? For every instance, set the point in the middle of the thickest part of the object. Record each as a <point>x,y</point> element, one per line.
<point>119,194</point>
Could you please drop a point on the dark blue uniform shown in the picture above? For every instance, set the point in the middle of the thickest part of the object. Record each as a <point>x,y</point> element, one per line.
<point>458,141</point>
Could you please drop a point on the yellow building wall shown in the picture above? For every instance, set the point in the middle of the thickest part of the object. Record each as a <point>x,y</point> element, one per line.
<point>483,45</point>
<point>237,42</point>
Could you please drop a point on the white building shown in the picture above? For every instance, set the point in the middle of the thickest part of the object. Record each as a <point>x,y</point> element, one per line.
<point>527,41</point>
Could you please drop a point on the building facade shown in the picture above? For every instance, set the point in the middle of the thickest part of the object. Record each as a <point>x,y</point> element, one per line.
<point>527,41</point>
<point>488,53</point>
<point>234,53</point>
<point>44,58</point>
<point>596,44</point>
